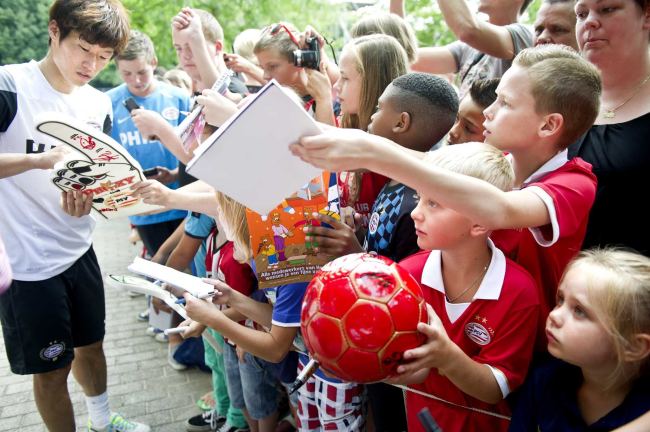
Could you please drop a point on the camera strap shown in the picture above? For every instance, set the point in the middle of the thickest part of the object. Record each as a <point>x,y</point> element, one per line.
<point>477,58</point>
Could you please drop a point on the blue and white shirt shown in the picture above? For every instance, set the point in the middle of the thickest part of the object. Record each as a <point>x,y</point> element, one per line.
<point>171,102</point>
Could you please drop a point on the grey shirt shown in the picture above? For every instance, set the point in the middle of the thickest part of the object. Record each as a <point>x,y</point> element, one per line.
<point>469,69</point>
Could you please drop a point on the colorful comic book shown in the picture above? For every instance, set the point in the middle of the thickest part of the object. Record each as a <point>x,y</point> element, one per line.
<point>99,166</point>
<point>281,253</point>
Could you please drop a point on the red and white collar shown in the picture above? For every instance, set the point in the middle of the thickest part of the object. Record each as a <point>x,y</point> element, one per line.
<point>551,165</point>
<point>490,288</point>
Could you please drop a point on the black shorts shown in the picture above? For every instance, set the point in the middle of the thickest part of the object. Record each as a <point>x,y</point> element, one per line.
<point>43,321</point>
<point>154,235</point>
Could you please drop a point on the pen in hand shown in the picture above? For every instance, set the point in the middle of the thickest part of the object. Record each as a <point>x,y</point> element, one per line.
<point>181,300</point>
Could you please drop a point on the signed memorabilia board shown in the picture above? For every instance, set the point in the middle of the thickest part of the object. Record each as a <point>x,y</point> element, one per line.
<point>100,166</point>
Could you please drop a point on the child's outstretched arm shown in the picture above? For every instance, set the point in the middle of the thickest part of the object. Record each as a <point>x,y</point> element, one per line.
<point>493,40</point>
<point>272,346</point>
<point>441,353</point>
<point>237,63</point>
<point>151,123</point>
<point>261,313</point>
<point>154,192</point>
<point>485,204</point>
<point>216,107</point>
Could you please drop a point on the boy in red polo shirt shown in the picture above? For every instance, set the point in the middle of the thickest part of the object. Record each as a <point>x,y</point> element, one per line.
<point>484,308</point>
<point>545,101</point>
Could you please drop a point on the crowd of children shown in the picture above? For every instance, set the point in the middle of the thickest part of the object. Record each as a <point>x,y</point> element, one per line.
<point>488,199</point>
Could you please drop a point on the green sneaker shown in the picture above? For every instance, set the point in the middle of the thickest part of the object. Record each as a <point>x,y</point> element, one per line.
<point>120,424</point>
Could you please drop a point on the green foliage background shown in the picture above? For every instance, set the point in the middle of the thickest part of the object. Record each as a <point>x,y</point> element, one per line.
<point>23,23</point>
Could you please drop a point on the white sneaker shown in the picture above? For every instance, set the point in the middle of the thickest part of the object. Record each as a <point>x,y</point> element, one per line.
<point>172,361</point>
<point>227,427</point>
<point>120,424</point>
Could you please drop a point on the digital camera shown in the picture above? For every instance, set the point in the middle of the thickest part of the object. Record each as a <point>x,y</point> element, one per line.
<point>310,57</point>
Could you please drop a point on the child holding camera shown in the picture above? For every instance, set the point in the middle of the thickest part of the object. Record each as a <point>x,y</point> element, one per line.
<point>295,61</point>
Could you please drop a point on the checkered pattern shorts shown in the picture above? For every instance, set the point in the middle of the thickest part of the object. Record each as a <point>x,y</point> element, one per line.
<point>325,406</point>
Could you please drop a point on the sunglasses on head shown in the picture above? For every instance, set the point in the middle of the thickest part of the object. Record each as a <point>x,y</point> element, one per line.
<point>274,29</point>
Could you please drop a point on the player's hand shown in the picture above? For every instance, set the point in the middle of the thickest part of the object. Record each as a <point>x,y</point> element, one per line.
<point>216,108</point>
<point>148,122</point>
<point>223,292</point>
<point>336,241</point>
<point>201,310</point>
<point>335,149</point>
<point>48,159</point>
<point>194,329</point>
<point>152,192</point>
<point>435,353</point>
<point>76,204</point>
<point>165,175</point>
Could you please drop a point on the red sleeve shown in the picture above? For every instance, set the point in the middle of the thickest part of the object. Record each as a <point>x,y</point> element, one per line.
<point>239,276</point>
<point>573,190</point>
<point>512,349</point>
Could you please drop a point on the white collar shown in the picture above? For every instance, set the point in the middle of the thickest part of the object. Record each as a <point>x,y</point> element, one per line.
<point>551,165</point>
<point>490,288</point>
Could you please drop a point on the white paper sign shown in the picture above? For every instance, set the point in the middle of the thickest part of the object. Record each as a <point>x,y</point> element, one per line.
<point>248,158</point>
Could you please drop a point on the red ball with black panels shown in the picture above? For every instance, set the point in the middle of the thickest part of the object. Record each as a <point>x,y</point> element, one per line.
<point>359,314</point>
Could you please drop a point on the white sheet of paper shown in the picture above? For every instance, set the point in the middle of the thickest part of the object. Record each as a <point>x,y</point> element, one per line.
<point>248,158</point>
<point>189,283</point>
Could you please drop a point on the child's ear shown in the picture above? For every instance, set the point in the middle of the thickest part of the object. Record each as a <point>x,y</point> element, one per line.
<point>552,125</point>
<point>53,30</point>
<point>403,123</point>
<point>639,348</point>
<point>478,230</point>
<point>646,18</point>
<point>218,45</point>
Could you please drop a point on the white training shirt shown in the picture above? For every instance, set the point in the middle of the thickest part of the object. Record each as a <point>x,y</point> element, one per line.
<point>41,240</point>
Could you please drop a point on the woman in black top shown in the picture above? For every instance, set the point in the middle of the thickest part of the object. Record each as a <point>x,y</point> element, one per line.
<point>614,35</point>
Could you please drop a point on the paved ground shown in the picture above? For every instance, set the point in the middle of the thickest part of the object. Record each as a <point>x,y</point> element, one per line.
<point>140,383</point>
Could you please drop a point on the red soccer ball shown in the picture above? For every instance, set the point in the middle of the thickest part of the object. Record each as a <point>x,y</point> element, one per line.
<point>360,313</point>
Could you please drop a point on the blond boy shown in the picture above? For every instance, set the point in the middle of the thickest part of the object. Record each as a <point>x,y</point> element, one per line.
<point>484,307</point>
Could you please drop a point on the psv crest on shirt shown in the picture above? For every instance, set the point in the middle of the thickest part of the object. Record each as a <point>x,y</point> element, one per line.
<point>479,331</point>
